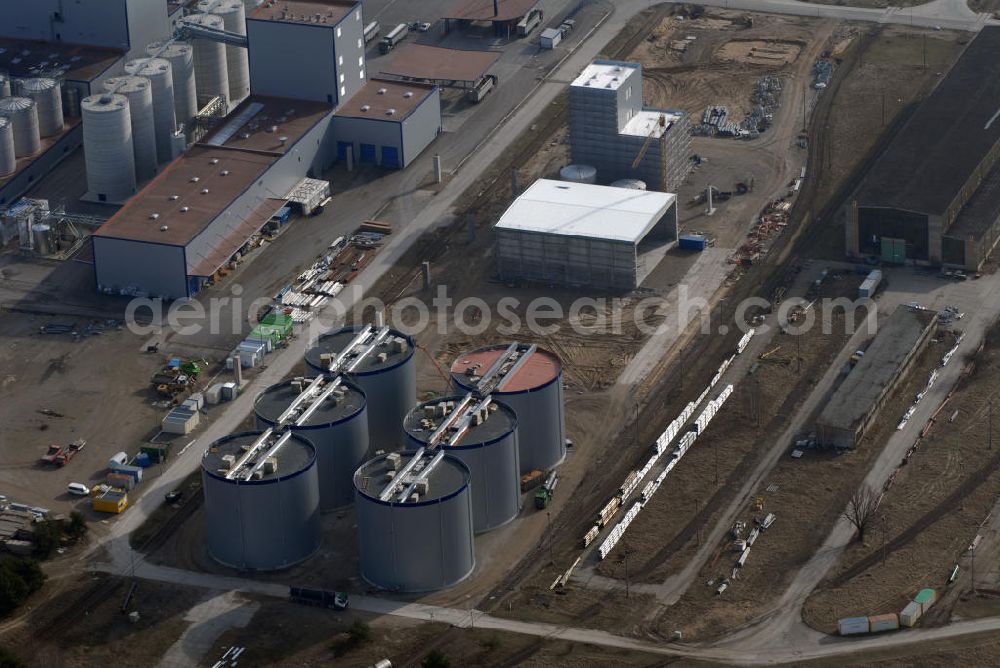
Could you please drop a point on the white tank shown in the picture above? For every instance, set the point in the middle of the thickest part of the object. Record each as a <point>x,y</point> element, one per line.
<point>210,69</point>
<point>631,184</point>
<point>157,70</point>
<point>578,174</point>
<point>107,147</point>
<point>47,94</point>
<point>237,60</point>
<point>181,58</point>
<point>8,163</point>
<point>71,101</point>
<point>23,116</point>
<point>139,93</point>
<point>4,85</point>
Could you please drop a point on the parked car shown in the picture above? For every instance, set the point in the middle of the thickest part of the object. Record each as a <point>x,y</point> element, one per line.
<point>78,489</point>
<point>174,496</point>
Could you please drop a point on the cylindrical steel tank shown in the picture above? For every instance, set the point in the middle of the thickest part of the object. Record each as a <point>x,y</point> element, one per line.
<point>631,184</point>
<point>415,545</point>
<point>47,94</point>
<point>23,115</point>
<point>180,55</point>
<point>139,93</point>
<point>578,174</point>
<point>107,147</point>
<point>388,377</point>
<point>338,428</point>
<point>488,448</point>
<point>71,101</point>
<point>268,522</point>
<point>237,60</point>
<point>41,235</point>
<point>534,390</point>
<point>4,85</point>
<point>210,70</point>
<point>8,162</point>
<point>157,70</point>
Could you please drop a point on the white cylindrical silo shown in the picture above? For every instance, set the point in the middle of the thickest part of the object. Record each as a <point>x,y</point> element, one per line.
<point>107,147</point>
<point>8,163</point>
<point>71,101</point>
<point>631,184</point>
<point>139,93</point>
<point>157,70</point>
<point>237,60</point>
<point>23,115</point>
<point>47,94</point>
<point>4,85</point>
<point>181,58</point>
<point>210,69</point>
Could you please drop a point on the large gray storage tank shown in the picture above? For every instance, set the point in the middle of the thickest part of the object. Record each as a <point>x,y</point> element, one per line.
<point>8,161</point>
<point>210,70</point>
<point>159,74</point>
<point>533,388</point>
<point>22,112</point>
<point>415,545</point>
<point>139,93</point>
<point>47,94</point>
<point>4,85</point>
<point>337,427</point>
<point>107,148</point>
<point>488,447</point>
<point>180,55</point>
<point>270,521</point>
<point>388,377</point>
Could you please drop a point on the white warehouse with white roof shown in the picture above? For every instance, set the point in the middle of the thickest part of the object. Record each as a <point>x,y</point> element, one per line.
<point>578,234</point>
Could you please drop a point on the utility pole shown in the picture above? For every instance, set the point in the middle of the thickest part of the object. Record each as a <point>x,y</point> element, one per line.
<point>883,539</point>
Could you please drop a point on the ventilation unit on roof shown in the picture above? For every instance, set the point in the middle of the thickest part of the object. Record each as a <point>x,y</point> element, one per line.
<point>408,93</point>
<point>213,161</point>
<point>224,172</point>
<point>164,228</point>
<point>390,112</point>
<point>365,107</point>
<point>381,91</point>
<point>174,198</point>
<point>204,191</point>
<point>184,209</point>
<point>154,216</point>
<point>195,179</point>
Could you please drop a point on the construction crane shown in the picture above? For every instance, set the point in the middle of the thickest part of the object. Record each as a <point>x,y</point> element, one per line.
<point>659,127</point>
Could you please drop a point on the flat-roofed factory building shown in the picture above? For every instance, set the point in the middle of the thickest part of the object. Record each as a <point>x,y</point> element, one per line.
<point>579,234</point>
<point>857,402</point>
<point>933,196</point>
<point>611,130</point>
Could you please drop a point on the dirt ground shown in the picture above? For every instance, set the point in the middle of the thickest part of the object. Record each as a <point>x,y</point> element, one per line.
<point>931,515</point>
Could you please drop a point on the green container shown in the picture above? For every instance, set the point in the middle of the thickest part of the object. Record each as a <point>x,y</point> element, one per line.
<point>925,597</point>
<point>280,321</point>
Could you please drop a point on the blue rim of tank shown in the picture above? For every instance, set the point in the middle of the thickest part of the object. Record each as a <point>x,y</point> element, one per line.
<point>472,446</point>
<point>305,469</point>
<point>501,393</point>
<point>392,332</point>
<point>324,425</point>
<point>409,504</point>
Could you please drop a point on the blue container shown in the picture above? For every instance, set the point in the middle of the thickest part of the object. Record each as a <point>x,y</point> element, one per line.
<point>693,242</point>
<point>142,459</point>
<point>133,471</point>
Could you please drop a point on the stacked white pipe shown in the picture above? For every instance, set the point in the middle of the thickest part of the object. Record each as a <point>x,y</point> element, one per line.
<point>8,161</point>
<point>159,74</point>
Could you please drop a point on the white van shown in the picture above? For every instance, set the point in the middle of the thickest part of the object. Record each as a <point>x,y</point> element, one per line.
<point>119,459</point>
<point>78,489</point>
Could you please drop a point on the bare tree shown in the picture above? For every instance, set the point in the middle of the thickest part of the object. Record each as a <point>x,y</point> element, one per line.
<point>861,509</point>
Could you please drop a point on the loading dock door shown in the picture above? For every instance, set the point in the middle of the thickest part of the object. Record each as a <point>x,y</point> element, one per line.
<point>390,157</point>
<point>342,147</point>
<point>893,250</point>
<point>367,154</point>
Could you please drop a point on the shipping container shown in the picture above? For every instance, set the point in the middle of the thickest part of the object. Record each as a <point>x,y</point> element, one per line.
<point>550,38</point>
<point>110,501</point>
<point>134,471</point>
<point>157,452</point>
<point>693,242</point>
<point>925,598</point>
<point>880,623</point>
<point>120,481</point>
<point>870,285</point>
<point>910,614</point>
<point>852,626</point>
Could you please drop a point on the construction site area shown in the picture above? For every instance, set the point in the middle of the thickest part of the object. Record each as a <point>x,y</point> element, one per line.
<point>652,411</point>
